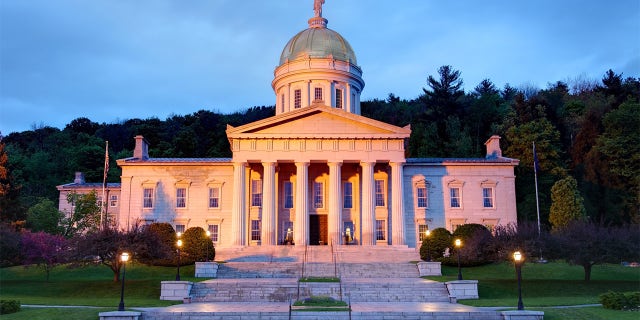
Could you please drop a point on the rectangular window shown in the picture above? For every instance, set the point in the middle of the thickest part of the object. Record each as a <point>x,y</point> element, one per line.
<point>180,228</point>
<point>297,98</point>
<point>379,193</point>
<point>339,98</point>
<point>99,201</point>
<point>214,197</point>
<point>422,197</point>
<point>214,230</point>
<point>348,195</point>
<point>288,195</point>
<point>455,197</point>
<point>380,230</point>
<point>113,200</point>
<point>422,231</point>
<point>147,198</point>
<point>318,195</point>
<point>256,193</point>
<point>181,198</point>
<point>487,197</point>
<point>317,94</point>
<point>255,230</point>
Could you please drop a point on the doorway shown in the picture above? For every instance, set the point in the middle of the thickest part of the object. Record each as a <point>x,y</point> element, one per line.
<point>318,232</point>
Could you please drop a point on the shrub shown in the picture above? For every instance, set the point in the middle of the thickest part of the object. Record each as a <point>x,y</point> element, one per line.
<point>438,242</point>
<point>164,237</point>
<point>196,245</point>
<point>620,300</point>
<point>9,306</point>
<point>475,248</point>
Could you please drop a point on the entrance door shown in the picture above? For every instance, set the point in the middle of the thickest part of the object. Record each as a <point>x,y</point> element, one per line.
<point>318,230</point>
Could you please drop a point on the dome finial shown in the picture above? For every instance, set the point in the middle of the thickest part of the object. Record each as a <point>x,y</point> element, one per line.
<point>317,7</point>
<point>317,21</point>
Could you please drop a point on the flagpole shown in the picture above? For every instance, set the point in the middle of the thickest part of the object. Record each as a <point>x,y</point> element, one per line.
<point>103,212</point>
<point>535,173</point>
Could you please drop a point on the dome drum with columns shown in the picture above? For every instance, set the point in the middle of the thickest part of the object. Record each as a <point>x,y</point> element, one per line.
<point>318,66</point>
<point>317,172</point>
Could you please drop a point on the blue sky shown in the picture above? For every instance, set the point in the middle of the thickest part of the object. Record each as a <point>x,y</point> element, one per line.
<point>112,60</point>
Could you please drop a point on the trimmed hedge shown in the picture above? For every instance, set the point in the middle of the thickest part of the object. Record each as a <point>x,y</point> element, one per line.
<point>9,306</point>
<point>439,240</point>
<point>620,300</point>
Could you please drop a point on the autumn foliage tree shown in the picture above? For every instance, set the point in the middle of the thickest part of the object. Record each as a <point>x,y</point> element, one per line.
<point>44,250</point>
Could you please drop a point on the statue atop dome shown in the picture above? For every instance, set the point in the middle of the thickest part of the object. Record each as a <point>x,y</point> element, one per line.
<point>317,7</point>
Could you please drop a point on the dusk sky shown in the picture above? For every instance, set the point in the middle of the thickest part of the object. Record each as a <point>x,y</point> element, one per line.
<point>112,60</point>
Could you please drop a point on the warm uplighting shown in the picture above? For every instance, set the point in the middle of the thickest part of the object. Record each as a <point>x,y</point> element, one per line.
<point>178,245</point>
<point>458,243</point>
<point>178,234</point>
<point>124,257</point>
<point>208,233</point>
<point>518,258</point>
<point>427,233</point>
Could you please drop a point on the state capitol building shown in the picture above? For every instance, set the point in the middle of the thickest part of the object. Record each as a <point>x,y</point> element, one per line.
<point>315,173</point>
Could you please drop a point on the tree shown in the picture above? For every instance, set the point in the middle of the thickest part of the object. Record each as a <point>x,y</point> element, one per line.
<point>44,249</point>
<point>108,244</point>
<point>567,204</point>
<point>85,216</point>
<point>44,216</point>
<point>620,146</point>
<point>586,244</point>
<point>10,246</point>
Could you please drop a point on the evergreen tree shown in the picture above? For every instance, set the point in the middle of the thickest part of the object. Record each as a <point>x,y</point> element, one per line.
<point>567,203</point>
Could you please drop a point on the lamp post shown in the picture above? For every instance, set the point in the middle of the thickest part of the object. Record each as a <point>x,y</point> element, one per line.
<point>124,257</point>
<point>208,233</point>
<point>427,233</point>
<point>178,245</point>
<point>458,243</point>
<point>518,259</point>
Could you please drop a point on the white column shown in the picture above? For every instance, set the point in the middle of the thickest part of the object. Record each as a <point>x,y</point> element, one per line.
<point>368,205</point>
<point>335,203</point>
<point>397,209</point>
<point>268,237</point>
<point>347,100</point>
<point>238,221</point>
<point>301,232</point>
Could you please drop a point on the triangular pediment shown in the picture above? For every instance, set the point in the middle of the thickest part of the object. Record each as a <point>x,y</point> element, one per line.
<point>319,122</point>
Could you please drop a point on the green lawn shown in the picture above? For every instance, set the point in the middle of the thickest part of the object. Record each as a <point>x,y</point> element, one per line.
<point>551,284</point>
<point>544,285</point>
<point>88,286</point>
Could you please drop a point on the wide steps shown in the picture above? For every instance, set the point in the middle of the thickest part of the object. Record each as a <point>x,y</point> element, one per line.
<point>283,290</point>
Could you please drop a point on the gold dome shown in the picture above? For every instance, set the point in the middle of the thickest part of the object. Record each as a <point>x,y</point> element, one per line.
<point>318,42</point>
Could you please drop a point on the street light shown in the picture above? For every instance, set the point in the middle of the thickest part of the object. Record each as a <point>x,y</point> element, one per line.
<point>178,245</point>
<point>208,240</point>
<point>458,245</point>
<point>124,257</point>
<point>427,233</point>
<point>518,259</point>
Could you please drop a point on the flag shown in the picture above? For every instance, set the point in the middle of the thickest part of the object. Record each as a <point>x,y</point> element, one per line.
<point>536,165</point>
<point>106,165</point>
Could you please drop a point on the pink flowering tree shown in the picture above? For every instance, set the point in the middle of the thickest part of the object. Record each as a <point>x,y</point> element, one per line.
<point>43,249</point>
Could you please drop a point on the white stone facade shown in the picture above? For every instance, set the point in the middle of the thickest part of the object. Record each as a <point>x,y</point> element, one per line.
<point>317,172</point>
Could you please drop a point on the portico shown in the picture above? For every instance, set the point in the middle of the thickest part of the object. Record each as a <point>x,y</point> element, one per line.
<point>315,184</point>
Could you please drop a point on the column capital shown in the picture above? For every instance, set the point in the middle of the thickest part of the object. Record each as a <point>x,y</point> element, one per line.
<point>369,163</point>
<point>302,163</point>
<point>335,163</point>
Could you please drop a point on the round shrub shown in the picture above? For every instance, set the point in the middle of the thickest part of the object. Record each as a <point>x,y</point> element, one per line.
<point>164,249</point>
<point>9,306</point>
<point>475,245</point>
<point>196,245</point>
<point>438,242</point>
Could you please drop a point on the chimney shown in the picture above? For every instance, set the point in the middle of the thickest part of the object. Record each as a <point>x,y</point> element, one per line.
<point>493,147</point>
<point>79,178</point>
<point>142,148</point>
